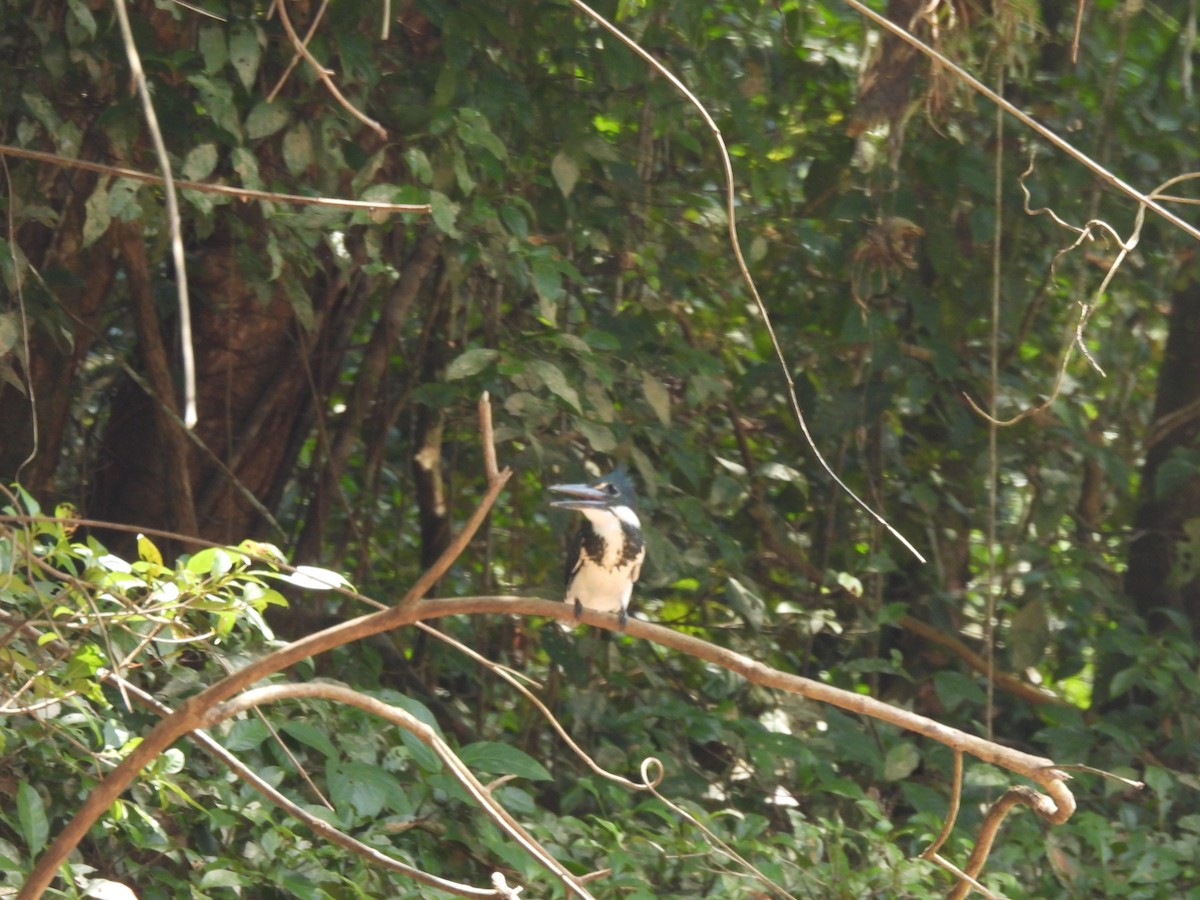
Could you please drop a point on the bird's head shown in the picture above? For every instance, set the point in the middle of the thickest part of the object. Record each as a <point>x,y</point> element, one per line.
<point>612,492</point>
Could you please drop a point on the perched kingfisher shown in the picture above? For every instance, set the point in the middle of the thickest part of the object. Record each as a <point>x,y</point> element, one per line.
<point>605,556</point>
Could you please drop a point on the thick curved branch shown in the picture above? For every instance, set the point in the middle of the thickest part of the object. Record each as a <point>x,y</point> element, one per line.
<point>1038,769</point>
<point>189,716</point>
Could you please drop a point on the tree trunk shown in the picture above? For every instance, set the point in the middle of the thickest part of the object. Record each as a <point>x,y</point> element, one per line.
<point>1164,556</point>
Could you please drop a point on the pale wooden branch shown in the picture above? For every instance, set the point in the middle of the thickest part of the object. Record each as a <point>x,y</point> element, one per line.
<point>173,222</point>
<point>1055,808</point>
<point>203,187</point>
<point>422,732</point>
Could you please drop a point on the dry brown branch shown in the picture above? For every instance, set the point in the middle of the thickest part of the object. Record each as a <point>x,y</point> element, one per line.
<point>1017,794</point>
<point>952,813</point>
<point>324,74</point>
<point>422,732</point>
<point>1056,808</point>
<point>312,29</point>
<point>209,188</point>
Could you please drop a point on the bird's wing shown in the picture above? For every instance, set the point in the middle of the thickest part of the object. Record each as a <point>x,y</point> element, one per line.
<point>574,556</point>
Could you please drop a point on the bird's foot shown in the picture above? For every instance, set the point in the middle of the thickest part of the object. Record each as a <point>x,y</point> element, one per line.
<point>622,617</point>
<point>578,608</point>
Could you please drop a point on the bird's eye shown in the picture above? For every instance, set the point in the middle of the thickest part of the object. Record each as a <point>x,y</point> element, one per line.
<point>610,489</point>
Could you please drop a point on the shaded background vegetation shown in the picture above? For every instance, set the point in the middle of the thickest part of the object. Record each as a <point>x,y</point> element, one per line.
<point>576,266</point>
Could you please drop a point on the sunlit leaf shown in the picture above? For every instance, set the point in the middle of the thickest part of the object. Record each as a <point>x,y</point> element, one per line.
<point>245,52</point>
<point>470,363</point>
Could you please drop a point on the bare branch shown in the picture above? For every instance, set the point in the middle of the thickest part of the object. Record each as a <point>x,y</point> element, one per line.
<point>1145,200</point>
<point>209,188</point>
<point>324,74</point>
<point>164,162</point>
<point>312,29</point>
<point>425,735</point>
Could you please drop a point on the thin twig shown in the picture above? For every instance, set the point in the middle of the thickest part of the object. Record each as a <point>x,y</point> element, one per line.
<point>164,162</point>
<point>951,813</point>
<point>1086,307</point>
<point>422,732</point>
<point>209,188</point>
<point>1144,200</point>
<point>322,73</point>
<point>735,243</point>
<point>717,844</point>
<point>312,29</point>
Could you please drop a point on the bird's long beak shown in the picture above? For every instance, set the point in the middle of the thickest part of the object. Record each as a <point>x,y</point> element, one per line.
<point>581,496</point>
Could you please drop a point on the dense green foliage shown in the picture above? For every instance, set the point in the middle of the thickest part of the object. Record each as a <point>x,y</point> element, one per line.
<point>576,266</point>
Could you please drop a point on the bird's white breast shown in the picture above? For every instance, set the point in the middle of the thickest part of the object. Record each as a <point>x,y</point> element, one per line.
<point>608,585</point>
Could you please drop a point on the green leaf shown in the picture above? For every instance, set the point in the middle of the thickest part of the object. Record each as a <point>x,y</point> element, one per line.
<point>901,760</point>
<point>565,171</point>
<point>746,603</point>
<point>418,164</point>
<point>471,363</point>
<point>547,281</point>
<point>555,381</point>
<point>311,736</point>
<point>501,759</point>
<point>298,148</point>
<point>245,52</point>
<point>362,787</point>
<point>222,878</point>
<point>598,435</point>
<point>122,200</point>
<point>658,397</point>
<point>1028,635</point>
<point>245,164</point>
<point>246,735</point>
<point>955,688</point>
<point>83,15</point>
<point>445,213</point>
<point>31,814</point>
<point>266,119</point>
<point>475,130</point>
<point>97,218</point>
<point>213,48</point>
<point>216,97</point>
